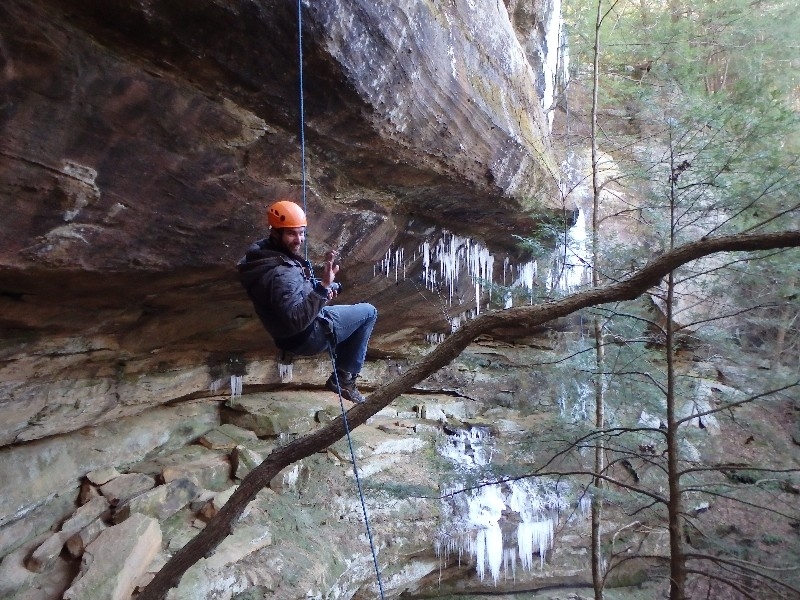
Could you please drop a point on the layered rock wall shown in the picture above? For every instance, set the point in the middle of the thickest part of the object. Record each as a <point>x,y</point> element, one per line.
<point>141,143</point>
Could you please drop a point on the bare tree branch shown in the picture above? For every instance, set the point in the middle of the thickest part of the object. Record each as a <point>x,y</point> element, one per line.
<point>729,405</point>
<point>219,527</point>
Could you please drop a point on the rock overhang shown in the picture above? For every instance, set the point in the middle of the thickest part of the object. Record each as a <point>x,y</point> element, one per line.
<point>145,142</point>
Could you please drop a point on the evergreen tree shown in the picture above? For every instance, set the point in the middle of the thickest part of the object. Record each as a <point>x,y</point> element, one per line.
<point>699,116</point>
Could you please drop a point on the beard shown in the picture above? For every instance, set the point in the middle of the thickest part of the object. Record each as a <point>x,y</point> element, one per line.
<point>292,248</point>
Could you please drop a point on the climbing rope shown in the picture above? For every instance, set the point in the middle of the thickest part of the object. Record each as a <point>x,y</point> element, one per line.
<point>355,471</point>
<point>302,111</point>
<point>331,344</point>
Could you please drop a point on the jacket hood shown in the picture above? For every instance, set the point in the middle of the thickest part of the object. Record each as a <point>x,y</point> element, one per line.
<point>285,295</point>
<point>260,258</point>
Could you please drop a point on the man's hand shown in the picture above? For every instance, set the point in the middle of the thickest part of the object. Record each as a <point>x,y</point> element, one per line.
<point>330,270</point>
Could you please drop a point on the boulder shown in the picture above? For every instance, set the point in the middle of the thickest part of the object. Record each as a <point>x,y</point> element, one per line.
<point>212,506</point>
<point>218,576</point>
<point>39,468</point>
<point>226,437</point>
<point>76,544</point>
<point>212,471</point>
<point>36,520</point>
<point>273,414</point>
<point>101,476</point>
<point>161,502</point>
<point>45,555</point>
<point>126,486</point>
<point>244,460</point>
<point>19,583</point>
<point>113,562</point>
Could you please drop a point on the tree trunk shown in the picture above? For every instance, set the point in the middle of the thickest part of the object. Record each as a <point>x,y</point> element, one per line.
<point>599,401</point>
<point>677,560</point>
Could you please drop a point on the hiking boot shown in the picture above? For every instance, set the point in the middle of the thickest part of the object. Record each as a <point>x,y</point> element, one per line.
<point>346,387</point>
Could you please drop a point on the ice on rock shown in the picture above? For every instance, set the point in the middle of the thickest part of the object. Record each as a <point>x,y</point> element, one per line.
<point>572,259</point>
<point>445,262</point>
<point>435,338</point>
<point>526,277</point>
<point>215,385</point>
<point>479,521</point>
<point>285,372</point>
<point>236,386</point>
<point>536,536</point>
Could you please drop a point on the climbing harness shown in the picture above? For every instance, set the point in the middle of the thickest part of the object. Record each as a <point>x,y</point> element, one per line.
<point>331,336</point>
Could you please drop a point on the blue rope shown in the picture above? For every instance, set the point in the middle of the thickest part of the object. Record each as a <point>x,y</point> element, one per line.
<point>355,472</point>
<point>302,111</point>
<point>330,345</point>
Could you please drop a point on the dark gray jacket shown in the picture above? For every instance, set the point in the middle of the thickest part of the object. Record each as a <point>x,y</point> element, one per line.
<point>286,296</point>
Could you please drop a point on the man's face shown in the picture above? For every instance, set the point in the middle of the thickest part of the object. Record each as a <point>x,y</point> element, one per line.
<point>292,238</point>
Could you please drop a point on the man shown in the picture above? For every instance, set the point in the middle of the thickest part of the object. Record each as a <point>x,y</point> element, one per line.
<point>293,305</point>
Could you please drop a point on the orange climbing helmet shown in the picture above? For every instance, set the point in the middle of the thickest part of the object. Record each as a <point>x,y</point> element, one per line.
<point>285,213</point>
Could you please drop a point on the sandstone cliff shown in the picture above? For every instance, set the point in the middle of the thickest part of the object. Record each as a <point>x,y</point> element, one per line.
<point>140,145</point>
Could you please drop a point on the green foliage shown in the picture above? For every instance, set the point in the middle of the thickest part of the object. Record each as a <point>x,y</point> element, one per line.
<point>544,238</point>
<point>699,112</point>
<point>771,540</point>
<point>711,94</point>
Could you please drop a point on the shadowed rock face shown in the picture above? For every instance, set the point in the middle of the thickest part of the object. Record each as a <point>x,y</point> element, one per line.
<point>142,141</point>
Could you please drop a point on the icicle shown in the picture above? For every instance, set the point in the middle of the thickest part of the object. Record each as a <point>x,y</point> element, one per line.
<point>471,519</point>
<point>534,537</point>
<point>426,262</point>
<point>291,477</point>
<point>480,552</point>
<point>526,277</point>
<point>508,300</point>
<point>460,257</point>
<point>236,386</point>
<point>215,385</point>
<point>494,550</point>
<point>285,372</point>
<point>571,263</point>
<point>435,338</point>
<point>398,259</point>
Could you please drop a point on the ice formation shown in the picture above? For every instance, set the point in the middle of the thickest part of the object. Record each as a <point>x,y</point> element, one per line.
<point>571,266</point>
<point>435,338</point>
<point>452,258</point>
<point>576,403</point>
<point>497,524</point>
<point>556,60</point>
<point>285,372</point>
<point>291,476</point>
<point>236,386</point>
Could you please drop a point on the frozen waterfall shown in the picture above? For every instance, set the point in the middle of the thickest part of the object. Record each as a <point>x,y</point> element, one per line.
<point>498,524</point>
